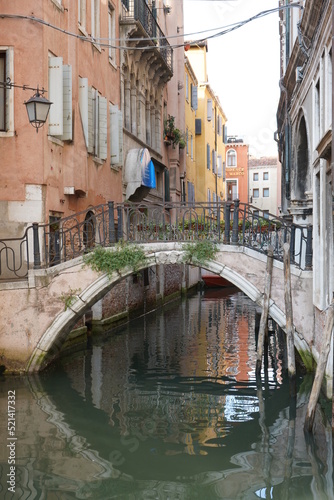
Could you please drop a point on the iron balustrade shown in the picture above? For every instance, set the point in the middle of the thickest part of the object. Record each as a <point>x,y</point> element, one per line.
<point>139,11</point>
<point>230,223</point>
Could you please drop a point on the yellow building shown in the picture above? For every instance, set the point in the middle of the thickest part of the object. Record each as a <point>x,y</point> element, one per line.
<point>204,166</point>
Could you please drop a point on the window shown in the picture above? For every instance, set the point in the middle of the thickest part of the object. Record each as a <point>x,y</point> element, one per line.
<point>60,94</point>
<point>256,193</point>
<point>194,97</point>
<point>266,214</point>
<point>255,176</point>
<point>116,135</point>
<point>209,110</point>
<point>93,111</point>
<point>112,34</point>
<point>95,19</point>
<point>191,192</point>
<point>208,156</point>
<point>220,166</point>
<point>82,14</point>
<point>266,176</point>
<point>231,158</point>
<point>187,141</point>
<point>265,192</point>
<point>214,161</point>
<point>232,190</point>
<point>6,94</point>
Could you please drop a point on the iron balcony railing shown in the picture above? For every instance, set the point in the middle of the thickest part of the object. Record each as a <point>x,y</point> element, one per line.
<point>46,245</point>
<point>139,11</point>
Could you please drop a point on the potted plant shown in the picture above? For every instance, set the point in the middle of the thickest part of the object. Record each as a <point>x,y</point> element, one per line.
<point>173,135</point>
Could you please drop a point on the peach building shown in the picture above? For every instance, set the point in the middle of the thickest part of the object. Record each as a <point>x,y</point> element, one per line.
<point>106,103</point>
<point>236,170</point>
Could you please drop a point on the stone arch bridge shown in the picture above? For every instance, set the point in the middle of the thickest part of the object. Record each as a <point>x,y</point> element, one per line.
<point>34,333</point>
<point>35,323</point>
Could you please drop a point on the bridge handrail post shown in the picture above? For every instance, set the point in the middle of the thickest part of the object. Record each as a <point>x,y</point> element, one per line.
<point>112,238</point>
<point>309,251</point>
<point>227,222</point>
<point>119,224</point>
<point>235,236</point>
<point>37,253</point>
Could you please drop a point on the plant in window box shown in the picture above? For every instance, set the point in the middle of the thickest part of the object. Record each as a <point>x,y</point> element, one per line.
<point>173,135</point>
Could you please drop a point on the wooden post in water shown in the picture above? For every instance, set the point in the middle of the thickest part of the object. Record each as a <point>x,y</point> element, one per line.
<point>264,315</point>
<point>288,314</point>
<point>319,374</point>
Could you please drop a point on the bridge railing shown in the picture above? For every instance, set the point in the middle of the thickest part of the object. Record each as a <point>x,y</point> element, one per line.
<point>46,245</point>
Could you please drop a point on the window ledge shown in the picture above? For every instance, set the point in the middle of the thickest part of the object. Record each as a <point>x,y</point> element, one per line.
<point>98,161</point>
<point>10,133</point>
<point>54,139</point>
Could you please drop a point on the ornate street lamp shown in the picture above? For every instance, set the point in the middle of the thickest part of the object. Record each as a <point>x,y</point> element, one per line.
<point>38,108</point>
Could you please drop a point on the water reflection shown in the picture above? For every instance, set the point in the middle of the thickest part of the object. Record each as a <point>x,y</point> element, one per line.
<point>168,407</point>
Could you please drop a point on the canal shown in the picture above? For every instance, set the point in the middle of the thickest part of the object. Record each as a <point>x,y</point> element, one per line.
<point>166,407</point>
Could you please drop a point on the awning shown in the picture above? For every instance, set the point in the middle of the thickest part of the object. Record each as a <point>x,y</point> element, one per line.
<point>139,173</point>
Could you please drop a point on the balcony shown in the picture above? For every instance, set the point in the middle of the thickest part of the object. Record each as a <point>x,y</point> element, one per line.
<point>143,28</point>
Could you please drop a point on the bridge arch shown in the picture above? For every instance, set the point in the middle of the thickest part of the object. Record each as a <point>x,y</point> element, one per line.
<point>52,340</point>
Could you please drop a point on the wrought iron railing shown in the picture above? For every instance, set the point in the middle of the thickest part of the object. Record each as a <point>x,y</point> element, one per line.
<point>138,10</point>
<point>46,245</point>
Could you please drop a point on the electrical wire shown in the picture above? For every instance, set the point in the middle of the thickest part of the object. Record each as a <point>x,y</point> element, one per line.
<point>99,41</point>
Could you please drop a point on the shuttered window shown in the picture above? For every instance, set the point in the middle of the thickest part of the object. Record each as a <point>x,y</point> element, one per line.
<point>116,135</point>
<point>209,110</point>
<point>214,161</point>
<point>198,126</point>
<point>219,166</point>
<point>93,111</point>
<point>60,94</point>
<point>6,93</point>
<point>194,97</point>
<point>208,156</point>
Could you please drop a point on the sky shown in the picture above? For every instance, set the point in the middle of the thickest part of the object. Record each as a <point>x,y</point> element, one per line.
<point>242,66</point>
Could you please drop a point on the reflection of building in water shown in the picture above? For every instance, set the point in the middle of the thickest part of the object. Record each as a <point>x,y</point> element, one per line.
<point>208,345</point>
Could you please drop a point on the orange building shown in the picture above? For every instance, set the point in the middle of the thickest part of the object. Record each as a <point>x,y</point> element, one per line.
<point>236,170</point>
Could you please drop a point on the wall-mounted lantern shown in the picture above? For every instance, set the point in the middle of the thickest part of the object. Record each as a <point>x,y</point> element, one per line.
<point>38,108</point>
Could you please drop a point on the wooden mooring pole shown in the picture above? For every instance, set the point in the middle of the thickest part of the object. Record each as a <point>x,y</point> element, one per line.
<point>320,371</point>
<point>264,315</point>
<point>289,318</point>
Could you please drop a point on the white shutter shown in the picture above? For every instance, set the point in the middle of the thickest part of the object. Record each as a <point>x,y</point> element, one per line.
<point>56,95</point>
<point>103,110</point>
<point>83,106</point>
<point>120,135</point>
<point>220,166</point>
<point>114,135</point>
<point>214,161</point>
<point>91,117</point>
<point>194,97</point>
<point>209,110</point>
<point>67,103</point>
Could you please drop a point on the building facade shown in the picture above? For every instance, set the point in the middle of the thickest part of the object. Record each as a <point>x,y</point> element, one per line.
<point>210,123</point>
<point>236,170</point>
<point>75,161</point>
<point>305,137</point>
<point>264,185</point>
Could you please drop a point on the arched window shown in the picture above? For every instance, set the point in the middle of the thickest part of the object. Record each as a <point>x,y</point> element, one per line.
<point>231,158</point>
<point>302,177</point>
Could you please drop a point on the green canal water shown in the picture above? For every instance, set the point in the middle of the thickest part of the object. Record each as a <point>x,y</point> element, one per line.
<point>166,407</point>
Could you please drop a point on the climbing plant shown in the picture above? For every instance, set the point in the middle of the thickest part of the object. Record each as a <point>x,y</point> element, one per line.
<point>124,255</point>
<point>201,251</point>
